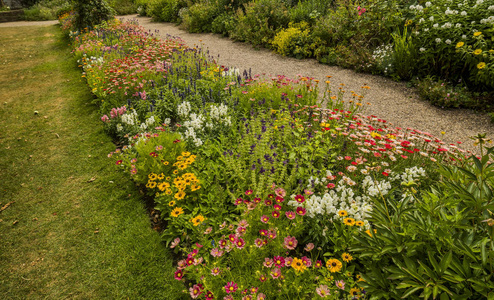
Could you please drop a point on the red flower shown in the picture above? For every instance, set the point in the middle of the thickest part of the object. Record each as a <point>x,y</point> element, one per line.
<point>119,162</point>
<point>275,214</point>
<point>301,211</point>
<point>179,274</point>
<point>300,199</point>
<point>385,174</point>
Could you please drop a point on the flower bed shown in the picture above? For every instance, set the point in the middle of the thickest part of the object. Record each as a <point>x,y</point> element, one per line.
<point>266,194</point>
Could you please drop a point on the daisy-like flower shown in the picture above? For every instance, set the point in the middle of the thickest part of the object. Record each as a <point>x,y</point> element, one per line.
<point>275,214</point>
<point>215,252</point>
<point>275,273</point>
<point>215,271</point>
<point>330,185</point>
<point>477,33</point>
<point>241,230</point>
<point>195,291</point>
<point>240,243</point>
<point>279,199</point>
<point>175,243</point>
<point>300,199</point>
<point>340,284</point>
<point>258,242</point>
<point>228,297</point>
<point>323,291</point>
<point>232,238</point>
<point>179,274</point>
<point>309,247</point>
<point>349,221</point>
<point>209,295</point>
<point>290,215</point>
<point>262,278</point>
<point>177,212</point>
<point>263,232</point>
<point>334,265</point>
<point>477,51</point>
<point>460,44</point>
<point>481,65</point>
<point>253,290</point>
<point>261,296</point>
<point>271,234</point>
<point>298,264</point>
<point>359,223</point>
<point>248,192</point>
<point>346,257</point>
<point>288,261</point>
<point>290,242</point>
<point>280,192</point>
<point>279,261</point>
<point>268,202</point>
<point>342,213</point>
<point>243,223</point>
<point>318,264</point>
<point>268,262</point>
<point>231,287</point>
<point>301,211</point>
<point>355,292</point>
<point>307,261</point>
<point>222,243</point>
<point>180,195</point>
<point>277,207</point>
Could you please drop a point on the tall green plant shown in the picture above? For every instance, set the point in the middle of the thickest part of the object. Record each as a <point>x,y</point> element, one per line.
<point>405,54</point>
<point>92,12</point>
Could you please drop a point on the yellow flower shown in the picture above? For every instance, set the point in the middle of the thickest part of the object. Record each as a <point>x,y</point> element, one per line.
<point>355,292</point>
<point>346,257</point>
<point>171,203</point>
<point>481,65</point>
<point>177,212</point>
<point>182,166</point>
<point>460,44</point>
<point>477,51</point>
<point>359,223</point>
<point>175,172</point>
<point>163,186</point>
<point>477,33</point>
<point>349,221</point>
<point>195,187</point>
<point>197,220</point>
<point>180,195</point>
<point>186,154</point>
<point>152,176</point>
<point>166,163</point>
<point>168,192</point>
<point>342,213</point>
<point>298,264</point>
<point>180,158</point>
<point>161,176</point>
<point>334,265</point>
<point>151,184</point>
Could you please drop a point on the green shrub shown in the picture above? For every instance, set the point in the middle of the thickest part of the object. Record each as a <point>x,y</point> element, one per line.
<point>123,7</point>
<point>199,17</point>
<point>437,243</point>
<point>443,94</point>
<point>165,10</point>
<point>224,24</point>
<point>47,10</point>
<point>92,12</point>
<point>309,11</point>
<point>260,22</point>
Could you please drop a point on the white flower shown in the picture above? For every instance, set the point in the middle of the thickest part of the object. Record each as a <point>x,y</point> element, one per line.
<point>479,2</point>
<point>491,7</point>
<point>463,13</point>
<point>458,25</point>
<point>435,25</point>
<point>421,20</point>
<point>448,41</point>
<point>428,4</point>
<point>438,40</point>
<point>422,49</point>
<point>431,18</point>
<point>119,127</point>
<point>464,37</point>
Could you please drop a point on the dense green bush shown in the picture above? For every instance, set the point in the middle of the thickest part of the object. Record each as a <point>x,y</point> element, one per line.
<point>123,7</point>
<point>92,12</point>
<point>165,10</point>
<point>47,10</point>
<point>199,17</point>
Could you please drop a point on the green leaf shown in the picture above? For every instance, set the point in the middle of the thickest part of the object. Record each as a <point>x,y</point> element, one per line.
<point>409,292</point>
<point>446,261</point>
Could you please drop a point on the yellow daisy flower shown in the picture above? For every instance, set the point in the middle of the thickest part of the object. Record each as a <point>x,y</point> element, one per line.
<point>177,212</point>
<point>349,221</point>
<point>481,65</point>
<point>477,51</point>
<point>334,265</point>
<point>346,257</point>
<point>298,264</point>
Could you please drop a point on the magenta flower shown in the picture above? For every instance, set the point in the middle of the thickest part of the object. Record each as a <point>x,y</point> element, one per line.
<point>264,219</point>
<point>189,261</point>
<point>261,296</point>
<point>253,290</point>
<point>231,287</point>
<point>318,264</point>
<point>279,199</point>
<point>262,278</point>
<point>259,243</point>
<point>275,214</point>
<point>182,264</point>
<point>272,233</point>
<point>215,252</point>
<point>238,201</point>
<point>263,232</point>
<point>243,223</point>
<point>257,200</point>
<point>179,274</point>
<point>232,238</point>
<point>222,243</point>
<point>248,192</point>
<point>277,207</point>
<point>268,202</point>
<point>275,273</point>
<point>241,230</point>
<point>301,211</point>
<point>268,262</point>
<point>209,295</point>
<point>290,242</point>
<point>300,199</point>
<point>247,297</point>
<point>195,291</point>
<point>279,261</point>
<point>290,215</point>
<point>228,297</point>
<point>280,192</point>
<point>240,243</point>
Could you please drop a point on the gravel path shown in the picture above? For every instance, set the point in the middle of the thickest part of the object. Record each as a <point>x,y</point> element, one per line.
<point>390,100</point>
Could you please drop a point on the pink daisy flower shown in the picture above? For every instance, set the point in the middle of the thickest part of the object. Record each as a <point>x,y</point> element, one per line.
<point>240,243</point>
<point>195,291</point>
<point>318,264</point>
<point>253,290</point>
<point>215,271</point>
<point>263,232</point>
<point>290,242</point>
<point>241,230</point>
<point>275,273</point>
<point>309,247</point>
<point>231,287</point>
<point>301,211</point>
<point>232,238</point>
<point>222,243</point>
<point>280,192</point>
<point>275,214</point>
<point>277,207</point>
<point>268,202</point>
<point>307,261</point>
<point>279,261</point>
<point>300,199</point>
<point>323,291</point>
<point>264,219</point>
<point>272,234</point>
<point>290,215</point>
<point>262,278</point>
<point>179,274</point>
<point>279,199</point>
<point>340,284</point>
<point>259,243</point>
<point>268,262</point>
<point>261,296</point>
<point>175,243</point>
<point>288,261</point>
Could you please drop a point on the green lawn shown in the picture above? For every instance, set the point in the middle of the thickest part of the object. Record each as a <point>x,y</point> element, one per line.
<point>76,228</point>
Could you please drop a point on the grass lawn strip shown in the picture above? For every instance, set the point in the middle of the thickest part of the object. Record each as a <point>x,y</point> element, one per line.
<point>74,228</point>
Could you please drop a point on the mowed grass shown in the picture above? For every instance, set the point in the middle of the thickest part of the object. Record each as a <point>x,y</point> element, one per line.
<point>75,228</point>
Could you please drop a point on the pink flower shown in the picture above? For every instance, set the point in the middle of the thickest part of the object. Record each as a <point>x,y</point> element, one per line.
<point>323,291</point>
<point>264,219</point>
<point>340,284</point>
<point>275,214</point>
<point>105,118</point>
<point>248,297</point>
<point>288,261</point>
<point>268,202</point>
<point>228,297</point>
<point>232,238</point>
<point>248,192</point>
<point>231,287</point>
<point>318,264</point>
<point>307,262</point>
<point>277,207</point>
<point>290,243</point>
<point>261,296</point>
<point>263,232</point>
<point>272,234</point>
<point>258,243</point>
<point>309,247</point>
<point>308,192</point>
<point>253,290</point>
<point>279,261</point>
<point>209,295</point>
<point>330,185</point>
<point>279,199</point>
<point>301,211</point>
<point>182,264</point>
<point>257,200</point>
<point>208,230</point>
<point>175,243</point>
<point>198,261</point>
<point>215,252</point>
<point>268,262</point>
<point>280,192</point>
<point>243,223</point>
<point>300,199</point>
<point>290,215</point>
<point>241,230</point>
<point>215,271</point>
<point>275,273</point>
<point>262,278</point>
<point>222,243</point>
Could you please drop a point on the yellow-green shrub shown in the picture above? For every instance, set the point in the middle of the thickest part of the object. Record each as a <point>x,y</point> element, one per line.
<point>293,41</point>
